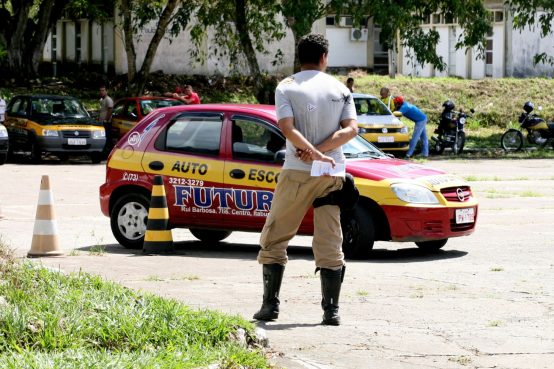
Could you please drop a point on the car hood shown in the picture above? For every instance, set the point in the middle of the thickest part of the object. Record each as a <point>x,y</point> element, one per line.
<point>396,170</point>
<point>49,120</point>
<point>385,120</point>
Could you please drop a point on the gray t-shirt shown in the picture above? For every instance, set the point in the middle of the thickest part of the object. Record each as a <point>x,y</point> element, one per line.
<point>318,103</point>
<point>105,104</point>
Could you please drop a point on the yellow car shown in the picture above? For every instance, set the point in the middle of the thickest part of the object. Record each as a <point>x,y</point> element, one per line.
<point>379,126</point>
<point>54,124</point>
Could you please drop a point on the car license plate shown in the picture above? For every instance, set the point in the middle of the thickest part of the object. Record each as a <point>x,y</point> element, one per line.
<point>385,139</point>
<point>465,216</point>
<point>76,141</point>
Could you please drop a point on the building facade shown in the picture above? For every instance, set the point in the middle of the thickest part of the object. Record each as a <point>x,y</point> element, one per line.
<point>509,52</point>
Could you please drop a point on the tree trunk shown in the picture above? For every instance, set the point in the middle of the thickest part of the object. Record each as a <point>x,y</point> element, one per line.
<point>163,23</point>
<point>246,44</point>
<point>128,38</point>
<point>25,39</point>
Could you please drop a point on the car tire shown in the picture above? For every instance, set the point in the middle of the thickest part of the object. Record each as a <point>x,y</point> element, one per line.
<point>96,157</point>
<point>358,233</point>
<point>3,158</point>
<point>209,235</point>
<point>36,153</point>
<point>432,245</point>
<point>128,220</point>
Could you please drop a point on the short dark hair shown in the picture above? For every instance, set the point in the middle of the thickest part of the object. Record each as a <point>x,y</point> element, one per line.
<point>350,79</point>
<point>311,47</point>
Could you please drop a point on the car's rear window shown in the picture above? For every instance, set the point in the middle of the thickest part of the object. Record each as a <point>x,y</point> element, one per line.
<point>195,134</point>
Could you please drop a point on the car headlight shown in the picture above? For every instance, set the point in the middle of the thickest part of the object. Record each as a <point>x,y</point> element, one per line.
<point>362,130</point>
<point>3,131</point>
<point>413,193</point>
<point>50,132</point>
<point>404,129</point>
<point>99,133</point>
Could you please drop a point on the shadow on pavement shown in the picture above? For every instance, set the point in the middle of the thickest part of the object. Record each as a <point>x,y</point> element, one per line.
<point>282,327</point>
<point>249,252</point>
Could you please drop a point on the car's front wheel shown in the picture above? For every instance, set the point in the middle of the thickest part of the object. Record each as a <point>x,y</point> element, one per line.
<point>209,235</point>
<point>431,245</point>
<point>129,218</point>
<point>358,233</point>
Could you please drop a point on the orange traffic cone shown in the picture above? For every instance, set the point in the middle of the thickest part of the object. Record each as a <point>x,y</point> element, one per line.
<point>158,238</point>
<point>45,237</point>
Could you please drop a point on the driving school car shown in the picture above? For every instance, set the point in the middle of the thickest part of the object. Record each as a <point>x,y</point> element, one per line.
<point>379,126</point>
<point>220,164</point>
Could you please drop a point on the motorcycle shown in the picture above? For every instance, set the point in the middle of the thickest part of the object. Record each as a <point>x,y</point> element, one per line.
<point>539,132</point>
<point>450,132</point>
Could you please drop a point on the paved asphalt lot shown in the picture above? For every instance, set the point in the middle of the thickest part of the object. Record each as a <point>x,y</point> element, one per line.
<point>484,301</point>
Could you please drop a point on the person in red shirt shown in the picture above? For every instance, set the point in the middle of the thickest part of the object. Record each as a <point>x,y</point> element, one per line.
<point>190,97</point>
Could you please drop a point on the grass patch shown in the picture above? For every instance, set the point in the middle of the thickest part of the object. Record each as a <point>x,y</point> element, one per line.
<point>82,321</point>
<point>462,360</point>
<point>496,323</point>
<point>497,269</point>
<point>362,293</point>
<point>97,250</point>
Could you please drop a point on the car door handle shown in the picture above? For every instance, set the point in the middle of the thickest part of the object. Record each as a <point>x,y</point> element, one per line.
<point>237,174</point>
<point>156,165</point>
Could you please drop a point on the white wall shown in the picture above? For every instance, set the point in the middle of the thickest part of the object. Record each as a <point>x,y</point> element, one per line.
<point>342,51</point>
<point>524,46</point>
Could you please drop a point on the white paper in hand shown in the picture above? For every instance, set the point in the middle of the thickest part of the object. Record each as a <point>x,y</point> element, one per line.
<point>321,168</point>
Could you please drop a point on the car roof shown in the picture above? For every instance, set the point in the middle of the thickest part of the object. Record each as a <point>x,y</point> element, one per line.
<point>46,96</point>
<point>366,96</point>
<point>268,110</point>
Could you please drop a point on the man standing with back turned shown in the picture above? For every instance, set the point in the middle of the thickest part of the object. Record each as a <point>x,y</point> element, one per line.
<point>317,116</point>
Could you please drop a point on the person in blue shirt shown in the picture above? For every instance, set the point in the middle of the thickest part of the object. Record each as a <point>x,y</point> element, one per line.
<point>413,113</point>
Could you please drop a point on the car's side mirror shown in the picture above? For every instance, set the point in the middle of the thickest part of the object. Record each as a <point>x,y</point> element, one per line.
<point>397,114</point>
<point>280,156</point>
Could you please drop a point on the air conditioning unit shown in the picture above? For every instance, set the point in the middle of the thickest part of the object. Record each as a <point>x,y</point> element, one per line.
<point>358,34</point>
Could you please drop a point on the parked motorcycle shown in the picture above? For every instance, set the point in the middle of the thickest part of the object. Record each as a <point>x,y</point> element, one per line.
<point>450,132</point>
<point>539,132</point>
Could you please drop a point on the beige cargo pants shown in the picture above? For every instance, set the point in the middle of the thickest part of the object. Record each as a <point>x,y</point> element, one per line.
<point>293,197</point>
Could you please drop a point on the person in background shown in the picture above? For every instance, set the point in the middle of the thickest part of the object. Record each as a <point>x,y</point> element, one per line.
<point>387,98</point>
<point>105,116</point>
<point>350,84</point>
<point>189,97</point>
<point>178,91</point>
<point>413,113</point>
<point>316,115</point>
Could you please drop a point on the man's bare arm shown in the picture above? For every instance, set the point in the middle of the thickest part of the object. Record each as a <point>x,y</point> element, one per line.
<point>300,142</point>
<point>348,131</point>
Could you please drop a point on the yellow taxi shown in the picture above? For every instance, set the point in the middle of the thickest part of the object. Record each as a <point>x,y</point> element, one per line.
<point>60,125</point>
<point>378,125</point>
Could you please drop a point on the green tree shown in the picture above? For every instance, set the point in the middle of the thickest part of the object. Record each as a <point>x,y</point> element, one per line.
<point>26,24</point>
<point>534,14</point>
<point>400,19</point>
<point>241,29</point>
<point>171,18</point>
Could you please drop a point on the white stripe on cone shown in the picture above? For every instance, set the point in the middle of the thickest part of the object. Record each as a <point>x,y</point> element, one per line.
<point>45,227</point>
<point>45,197</point>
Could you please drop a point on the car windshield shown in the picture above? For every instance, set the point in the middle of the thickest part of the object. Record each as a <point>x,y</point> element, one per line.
<point>370,106</point>
<point>146,106</point>
<point>360,148</point>
<point>58,108</point>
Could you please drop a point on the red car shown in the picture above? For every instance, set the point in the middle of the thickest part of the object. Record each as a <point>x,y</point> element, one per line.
<point>220,165</point>
<point>127,112</point>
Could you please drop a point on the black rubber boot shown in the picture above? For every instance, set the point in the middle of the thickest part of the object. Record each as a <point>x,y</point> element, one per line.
<point>272,277</point>
<point>331,281</point>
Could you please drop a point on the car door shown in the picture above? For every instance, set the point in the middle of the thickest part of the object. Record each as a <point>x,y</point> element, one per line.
<point>252,170</point>
<point>124,117</point>
<point>17,115</point>
<point>187,153</point>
